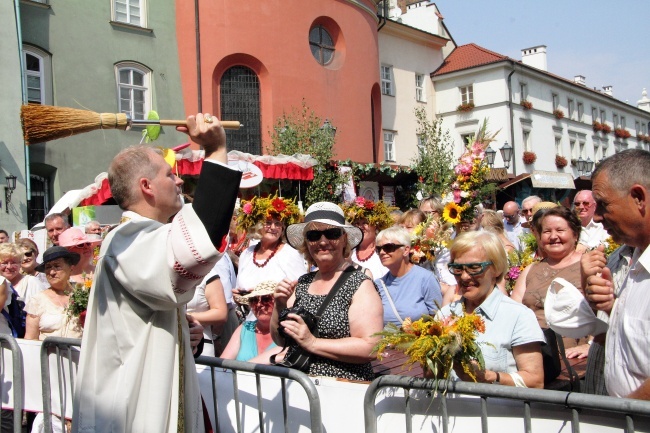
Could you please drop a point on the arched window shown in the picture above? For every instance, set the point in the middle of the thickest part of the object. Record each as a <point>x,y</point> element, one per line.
<point>38,75</point>
<point>133,84</point>
<point>240,100</point>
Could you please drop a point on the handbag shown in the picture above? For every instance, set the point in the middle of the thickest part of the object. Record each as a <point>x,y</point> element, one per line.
<point>551,356</point>
<point>297,357</point>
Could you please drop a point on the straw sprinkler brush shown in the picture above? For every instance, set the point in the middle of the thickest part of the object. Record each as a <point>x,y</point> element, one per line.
<point>46,123</point>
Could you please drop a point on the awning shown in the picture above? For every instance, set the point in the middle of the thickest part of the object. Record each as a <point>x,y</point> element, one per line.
<point>514,180</point>
<point>552,179</point>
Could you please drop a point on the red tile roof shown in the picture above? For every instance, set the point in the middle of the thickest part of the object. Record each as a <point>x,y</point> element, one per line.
<point>468,56</point>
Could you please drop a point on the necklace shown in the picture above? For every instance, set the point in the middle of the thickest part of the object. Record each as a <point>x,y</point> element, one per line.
<point>257,248</point>
<point>363,260</point>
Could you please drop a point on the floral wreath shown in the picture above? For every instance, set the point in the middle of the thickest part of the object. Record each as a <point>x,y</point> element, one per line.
<point>470,186</point>
<point>260,209</point>
<point>376,213</point>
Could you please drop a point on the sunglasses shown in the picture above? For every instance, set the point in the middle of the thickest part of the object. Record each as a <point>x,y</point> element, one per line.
<point>389,248</point>
<point>584,203</point>
<point>330,234</point>
<point>470,268</point>
<point>82,246</point>
<point>266,299</point>
<point>509,217</point>
<point>28,253</point>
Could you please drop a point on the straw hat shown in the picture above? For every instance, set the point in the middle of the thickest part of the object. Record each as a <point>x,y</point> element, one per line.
<point>54,253</point>
<point>263,288</point>
<point>73,237</point>
<point>326,213</point>
<point>542,205</point>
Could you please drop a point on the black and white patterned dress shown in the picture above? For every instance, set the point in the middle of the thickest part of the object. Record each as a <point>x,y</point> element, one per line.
<point>334,324</point>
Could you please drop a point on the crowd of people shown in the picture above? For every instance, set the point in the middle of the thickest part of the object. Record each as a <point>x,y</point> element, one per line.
<point>266,284</point>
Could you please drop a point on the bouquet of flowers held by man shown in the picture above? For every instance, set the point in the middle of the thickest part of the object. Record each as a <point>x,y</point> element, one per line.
<point>428,239</point>
<point>437,343</point>
<point>79,300</point>
<point>470,187</point>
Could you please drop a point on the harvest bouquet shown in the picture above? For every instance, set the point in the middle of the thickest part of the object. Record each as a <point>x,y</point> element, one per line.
<point>260,209</point>
<point>437,343</point>
<point>376,213</point>
<point>470,187</point>
<point>428,239</point>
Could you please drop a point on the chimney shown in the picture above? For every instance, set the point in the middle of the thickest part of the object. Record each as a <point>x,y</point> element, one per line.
<point>644,102</point>
<point>580,79</point>
<point>608,90</point>
<point>535,57</point>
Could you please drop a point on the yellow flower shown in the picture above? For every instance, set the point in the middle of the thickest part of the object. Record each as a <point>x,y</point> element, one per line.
<point>452,213</point>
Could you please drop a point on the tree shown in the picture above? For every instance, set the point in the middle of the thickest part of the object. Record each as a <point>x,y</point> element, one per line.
<point>302,131</point>
<point>435,159</point>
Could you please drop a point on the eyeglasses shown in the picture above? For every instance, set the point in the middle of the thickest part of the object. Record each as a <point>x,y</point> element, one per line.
<point>5,265</point>
<point>266,299</point>
<point>28,253</point>
<point>583,203</point>
<point>82,246</point>
<point>508,217</point>
<point>330,234</point>
<point>471,268</point>
<point>389,248</point>
<point>268,224</point>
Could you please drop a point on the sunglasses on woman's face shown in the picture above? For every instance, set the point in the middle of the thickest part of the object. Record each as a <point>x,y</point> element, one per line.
<point>82,246</point>
<point>389,248</point>
<point>330,234</point>
<point>470,268</point>
<point>28,254</point>
<point>266,299</point>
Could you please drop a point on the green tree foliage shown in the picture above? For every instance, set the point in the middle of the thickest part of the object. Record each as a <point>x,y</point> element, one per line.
<point>435,159</point>
<point>302,131</point>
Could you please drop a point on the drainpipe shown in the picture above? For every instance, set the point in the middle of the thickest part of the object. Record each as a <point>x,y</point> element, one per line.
<point>384,14</point>
<point>23,87</point>
<point>512,121</point>
<point>199,98</point>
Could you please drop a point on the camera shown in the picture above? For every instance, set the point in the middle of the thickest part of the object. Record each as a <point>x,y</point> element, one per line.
<point>309,318</point>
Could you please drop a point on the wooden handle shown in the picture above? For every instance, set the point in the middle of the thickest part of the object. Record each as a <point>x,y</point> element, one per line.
<point>227,124</point>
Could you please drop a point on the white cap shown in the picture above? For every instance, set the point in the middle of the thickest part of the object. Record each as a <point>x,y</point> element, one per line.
<point>568,313</point>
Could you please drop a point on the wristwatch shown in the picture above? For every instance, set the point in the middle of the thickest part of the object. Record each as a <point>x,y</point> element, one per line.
<point>497,381</point>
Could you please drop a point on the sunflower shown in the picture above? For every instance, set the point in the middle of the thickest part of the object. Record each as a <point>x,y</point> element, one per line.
<point>452,213</point>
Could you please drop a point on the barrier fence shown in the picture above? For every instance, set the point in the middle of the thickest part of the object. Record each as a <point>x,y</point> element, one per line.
<point>549,410</point>
<point>62,349</point>
<point>15,383</point>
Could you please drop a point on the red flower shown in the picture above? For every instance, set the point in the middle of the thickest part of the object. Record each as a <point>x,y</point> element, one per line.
<point>369,204</point>
<point>279,204</point>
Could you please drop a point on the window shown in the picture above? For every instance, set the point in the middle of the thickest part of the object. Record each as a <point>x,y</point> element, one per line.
<point>637,125</point>
<point>240,100</point>
<point>644,128</point>
<point>581,111</point>
<point>526,137</point>
<point>523,91</point>
<point>582,150</point>
<point>556,101</point>
<point>594,114</point>
<point>133,83</point>
<point>574,150</point>
<point>615,120</point>
<point>386,80</point>
<point>321,45</point>
<point>603,118</point>
<point>37,73</point>
<point>419,88</point>
<point>129,12</point>
<point>389,146</point>
<point>466,94</point>
<point>571,108</point>
<point>467,138</point>
<point>39,200</point>
<point>623,122</point>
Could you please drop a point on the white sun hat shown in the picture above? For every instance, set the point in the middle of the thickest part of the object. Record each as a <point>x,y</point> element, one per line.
<point>326,213</point>
<point>568,313</point>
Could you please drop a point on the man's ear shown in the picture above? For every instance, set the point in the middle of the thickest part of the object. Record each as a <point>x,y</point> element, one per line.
<point>145,186</point>
<point>640,196</point>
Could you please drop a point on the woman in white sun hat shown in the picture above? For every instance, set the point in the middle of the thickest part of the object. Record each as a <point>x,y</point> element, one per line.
<point>354,314</point>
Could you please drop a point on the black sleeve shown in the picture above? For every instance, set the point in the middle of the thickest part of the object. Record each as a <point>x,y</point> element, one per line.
<point>214,199</point>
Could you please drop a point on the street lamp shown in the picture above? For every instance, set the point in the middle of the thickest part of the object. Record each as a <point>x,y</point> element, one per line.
<point>9,189</point>
<point>581,165</point>
<point>589,165</point>
<point>327,127</point>
<point>506,154</point>
<point>489,154</point>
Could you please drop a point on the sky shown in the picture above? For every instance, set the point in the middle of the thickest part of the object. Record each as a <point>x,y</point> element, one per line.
<point>601,40</point>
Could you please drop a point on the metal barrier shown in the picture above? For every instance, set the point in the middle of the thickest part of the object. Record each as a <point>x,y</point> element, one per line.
<point>62,348</point>
<point>615,413</point>
<point>264,370</point>
<point>17,380</point>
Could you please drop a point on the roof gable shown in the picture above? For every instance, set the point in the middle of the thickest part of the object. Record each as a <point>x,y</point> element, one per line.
<point>468,56</point>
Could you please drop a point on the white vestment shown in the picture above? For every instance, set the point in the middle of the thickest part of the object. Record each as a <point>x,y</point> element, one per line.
<point>128,377</point>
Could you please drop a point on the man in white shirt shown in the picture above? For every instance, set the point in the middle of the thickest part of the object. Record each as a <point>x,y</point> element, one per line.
<point>593,233</point>
<point>622,199</point>
<point>512,223</point>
